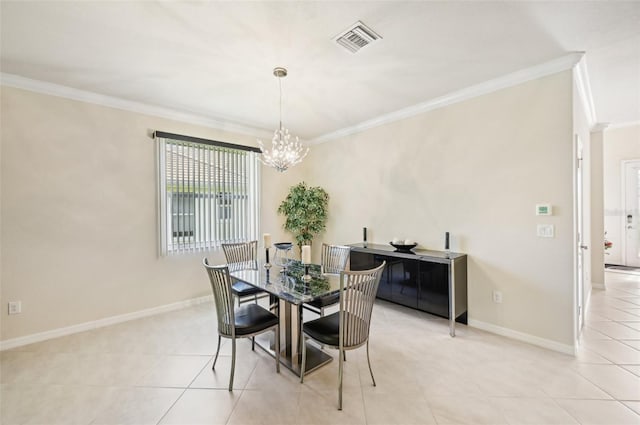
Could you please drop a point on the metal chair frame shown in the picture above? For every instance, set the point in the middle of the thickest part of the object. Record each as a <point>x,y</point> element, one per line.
<point>223,297</point>
<point>357,294</point>
<point>333,260</point>
<point>242,256</point>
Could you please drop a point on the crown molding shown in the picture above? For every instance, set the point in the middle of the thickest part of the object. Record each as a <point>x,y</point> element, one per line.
<point>43,87</point>
<point>599,126</point>
<point>624,124</point>
<point>581,77</point>
<point>548,68</point>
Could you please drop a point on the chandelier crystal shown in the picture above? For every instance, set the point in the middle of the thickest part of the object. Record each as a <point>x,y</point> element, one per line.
<point>284,152</point>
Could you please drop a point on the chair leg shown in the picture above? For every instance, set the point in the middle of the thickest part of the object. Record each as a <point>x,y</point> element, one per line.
<point>322,315</point>
<point>340,369</point>
<point>217,352</point>
<point>253,343</point>
<point>369,361</point>
<point>233,362</point>
<point>278,348</point>
<point>304,359</point>
<point>277,336</point>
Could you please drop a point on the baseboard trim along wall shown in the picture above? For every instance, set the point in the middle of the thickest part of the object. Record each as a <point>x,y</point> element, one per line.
<point>55,333</point>
<point>587,300</point>
<point>520,336</point>
<point>81,327</point>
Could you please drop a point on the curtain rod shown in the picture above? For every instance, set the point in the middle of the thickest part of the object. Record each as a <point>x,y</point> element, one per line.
<point>184,138</point>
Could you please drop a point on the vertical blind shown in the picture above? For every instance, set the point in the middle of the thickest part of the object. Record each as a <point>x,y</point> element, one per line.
<point>208,193</point>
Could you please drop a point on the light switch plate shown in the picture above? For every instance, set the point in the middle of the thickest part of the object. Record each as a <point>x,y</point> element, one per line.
<point>545,230</point>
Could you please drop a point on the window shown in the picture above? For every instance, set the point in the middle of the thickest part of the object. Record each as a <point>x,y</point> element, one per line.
<point>208,193</point>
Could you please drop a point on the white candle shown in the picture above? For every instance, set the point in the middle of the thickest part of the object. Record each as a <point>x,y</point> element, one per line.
<point>306,254</point>
<point>267,240</point>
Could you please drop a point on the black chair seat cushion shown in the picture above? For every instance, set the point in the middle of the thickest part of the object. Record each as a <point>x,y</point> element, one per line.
<point>325,301</point>
<point>251,318</point>
<point>242,289</point>
<point>326,330</point>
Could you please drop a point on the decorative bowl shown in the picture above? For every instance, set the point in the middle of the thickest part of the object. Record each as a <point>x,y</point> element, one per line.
<point>284,246</point>
<point>402,247</point>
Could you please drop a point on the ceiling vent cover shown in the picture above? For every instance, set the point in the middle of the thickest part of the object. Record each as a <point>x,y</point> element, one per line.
<point>356,37</point>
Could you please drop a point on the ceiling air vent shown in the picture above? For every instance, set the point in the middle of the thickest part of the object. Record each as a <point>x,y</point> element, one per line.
<point>356,37</point>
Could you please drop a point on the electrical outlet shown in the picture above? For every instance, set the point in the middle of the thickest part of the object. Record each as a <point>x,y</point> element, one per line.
<point>15,307</point>
<point>497,297</point>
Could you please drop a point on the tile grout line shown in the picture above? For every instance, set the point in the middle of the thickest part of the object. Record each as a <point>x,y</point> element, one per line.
<point>184,391</point>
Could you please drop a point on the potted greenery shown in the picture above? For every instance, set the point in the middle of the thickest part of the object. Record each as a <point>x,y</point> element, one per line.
<point>305,209</point>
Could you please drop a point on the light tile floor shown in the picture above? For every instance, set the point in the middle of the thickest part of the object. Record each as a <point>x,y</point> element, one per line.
<point>157,370</point>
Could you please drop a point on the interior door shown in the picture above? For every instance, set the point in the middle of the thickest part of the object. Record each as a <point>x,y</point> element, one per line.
<point>631,218</point>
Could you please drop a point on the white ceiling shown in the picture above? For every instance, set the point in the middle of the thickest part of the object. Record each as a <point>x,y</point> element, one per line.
<point>215,59</point>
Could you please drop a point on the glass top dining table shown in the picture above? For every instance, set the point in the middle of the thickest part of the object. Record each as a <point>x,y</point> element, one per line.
<point>288,290</point>
<point>287,283</point>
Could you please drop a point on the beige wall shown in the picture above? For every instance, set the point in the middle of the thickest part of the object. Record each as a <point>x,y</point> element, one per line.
<point>78,204</point>
<point>475,169</point>
<point>274,191</point>
<point>79,214</point>
<point>619,144</point>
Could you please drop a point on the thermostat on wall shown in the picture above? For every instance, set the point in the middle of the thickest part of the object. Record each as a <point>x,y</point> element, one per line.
<point>544,209</point>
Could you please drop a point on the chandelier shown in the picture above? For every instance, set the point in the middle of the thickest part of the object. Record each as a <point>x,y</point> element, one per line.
<point>284,152</point>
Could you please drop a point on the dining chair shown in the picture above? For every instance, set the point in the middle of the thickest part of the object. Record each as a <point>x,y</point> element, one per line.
<point>333,260</point>
<point>348,328</point>
<point>245,321</point>
<point>241,256</point>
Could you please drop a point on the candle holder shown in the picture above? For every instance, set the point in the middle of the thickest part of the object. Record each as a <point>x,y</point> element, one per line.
<point>306,277</point>
<point>446,245</point>
<point>267,265</point>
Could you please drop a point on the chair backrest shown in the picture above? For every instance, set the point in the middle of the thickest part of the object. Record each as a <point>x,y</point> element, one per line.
<point>334,258</point>
<point>222,296</point>
<point>357,293</point>
<point>242,255</point>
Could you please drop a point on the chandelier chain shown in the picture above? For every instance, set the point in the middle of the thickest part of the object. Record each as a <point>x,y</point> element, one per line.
<point>280,86</point>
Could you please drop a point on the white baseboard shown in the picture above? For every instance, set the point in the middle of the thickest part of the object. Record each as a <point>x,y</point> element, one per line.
<point>86,326</point>
<point>521,336</point>
<point>587,301</point>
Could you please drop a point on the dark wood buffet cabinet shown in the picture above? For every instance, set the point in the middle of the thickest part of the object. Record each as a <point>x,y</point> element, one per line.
<point>431,281</point>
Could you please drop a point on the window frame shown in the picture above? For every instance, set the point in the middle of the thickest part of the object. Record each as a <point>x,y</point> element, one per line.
<point>203,173</point>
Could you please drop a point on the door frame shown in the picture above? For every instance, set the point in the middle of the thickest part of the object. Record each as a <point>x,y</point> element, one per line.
<point>623,207</point>
<point>579,255</point>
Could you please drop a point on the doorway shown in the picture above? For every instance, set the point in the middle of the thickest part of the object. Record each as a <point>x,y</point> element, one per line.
<point>631,213</point>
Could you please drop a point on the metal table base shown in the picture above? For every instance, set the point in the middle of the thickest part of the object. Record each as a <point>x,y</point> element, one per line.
<point>315,356</point>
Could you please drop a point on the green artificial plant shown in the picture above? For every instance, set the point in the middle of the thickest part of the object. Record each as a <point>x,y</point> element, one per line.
<point>305,209</point>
